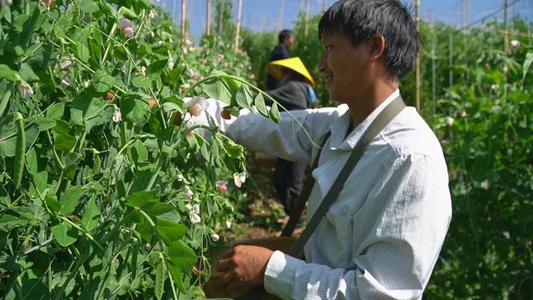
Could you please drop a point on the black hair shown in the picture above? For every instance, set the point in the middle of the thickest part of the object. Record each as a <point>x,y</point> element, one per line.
<point>283,35</point>
<point>360,20</point>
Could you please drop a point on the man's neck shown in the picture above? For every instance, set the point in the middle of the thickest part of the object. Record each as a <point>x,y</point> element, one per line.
<point>364,103</point>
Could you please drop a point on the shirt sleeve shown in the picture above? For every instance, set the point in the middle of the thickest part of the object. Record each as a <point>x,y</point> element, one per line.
<point>395,259</point>
<point>295,138</point>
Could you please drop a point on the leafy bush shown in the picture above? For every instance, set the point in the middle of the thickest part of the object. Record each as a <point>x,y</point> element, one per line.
<point>105,192</point>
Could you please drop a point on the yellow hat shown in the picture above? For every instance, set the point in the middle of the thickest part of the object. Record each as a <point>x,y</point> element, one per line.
<point>292,63</point>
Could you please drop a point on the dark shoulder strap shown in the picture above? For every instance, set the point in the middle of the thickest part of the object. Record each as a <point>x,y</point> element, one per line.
<point>299,206</point>
<point>384,117</point>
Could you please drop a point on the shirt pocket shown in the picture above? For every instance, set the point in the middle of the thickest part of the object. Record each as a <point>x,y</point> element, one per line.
<point>341,235</point>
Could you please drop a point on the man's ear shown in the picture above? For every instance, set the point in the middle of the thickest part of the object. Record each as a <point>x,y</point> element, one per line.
<point>376,45</point>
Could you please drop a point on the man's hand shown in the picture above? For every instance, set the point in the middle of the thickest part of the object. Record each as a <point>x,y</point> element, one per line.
<point>243,267</point>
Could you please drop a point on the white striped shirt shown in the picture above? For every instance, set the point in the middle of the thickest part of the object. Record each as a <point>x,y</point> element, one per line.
<point>382,236</point>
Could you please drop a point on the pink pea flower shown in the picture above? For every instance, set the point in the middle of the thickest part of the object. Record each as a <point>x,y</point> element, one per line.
<point>222,186</point>
<point>127,27</point>
<point>197,105</point>
<point>239,179</point>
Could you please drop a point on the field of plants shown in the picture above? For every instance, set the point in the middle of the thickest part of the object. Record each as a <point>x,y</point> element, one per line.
<point>107,193</point>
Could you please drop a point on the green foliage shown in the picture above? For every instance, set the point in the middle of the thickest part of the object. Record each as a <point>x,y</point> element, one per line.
<point>259,45</point>
<point>106,193</point>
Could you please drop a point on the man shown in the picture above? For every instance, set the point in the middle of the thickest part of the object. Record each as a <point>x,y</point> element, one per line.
<point>381,237</point>
<point>282,50</point>
<point>295,92</point>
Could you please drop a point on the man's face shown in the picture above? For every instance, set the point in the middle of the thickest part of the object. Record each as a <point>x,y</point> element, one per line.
<point>345,67</point>
<point>289,41</point>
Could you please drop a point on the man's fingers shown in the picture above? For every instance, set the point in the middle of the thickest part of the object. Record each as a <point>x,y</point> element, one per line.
<point>224,264</point>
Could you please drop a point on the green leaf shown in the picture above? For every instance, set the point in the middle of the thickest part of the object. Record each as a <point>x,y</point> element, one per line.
<point>64,234</point>
<point>160,278</point>
<point>64,142</point>
<point>141,82</point>
<point>243,97</point>
<point>259,103</point>
<point>26,72</point>
<point>140,152</point>
<point>274,113</point>
<point>80,38</point>
<point>140,199</point>
<point>90,216</point>
<point>8,74</point>
<point>181,256</point>
<point>157,67</point>
<point>51,201</point>
<point>45,123</point>
<point>527,65</point>
<point>170,231</point>
<point>134,108</point>
<point>218,90</point>
<point>89,6</point>
<point>55,111</point>
<point>102,82</point>
<point>31,161</point>
<point>5,91</point>
<point>41,184</point>
<point>70,199</point>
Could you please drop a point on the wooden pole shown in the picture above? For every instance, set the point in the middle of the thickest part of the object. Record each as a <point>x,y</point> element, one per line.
<point>505,27</point>
<point>450,60</point>
<point>183,19</point>
<point>208,17</point>
<point>417,71</point>
<point>307,12</point>
<point>237,34</point>
<point>281,16</point>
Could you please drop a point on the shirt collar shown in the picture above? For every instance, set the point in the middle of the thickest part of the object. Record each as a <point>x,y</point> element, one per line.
<point>339,127</point>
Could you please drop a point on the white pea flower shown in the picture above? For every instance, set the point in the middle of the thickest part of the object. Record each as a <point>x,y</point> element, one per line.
<point>6,2</point>
<point>188,193</point>
<point>195,219</point>
<point>187,43</point>
<point>170,63</point>
<point>65,64</point>
<point>65,83</point>
<point>484,184</point>
<point>228,224</point>
<point>515,44</point>
<point>117,115</point>
<point>215,237</point>
<point>25,89</point>
<point>495,109</point>
<point>86,83</point>
<point>462,114</point>
<point>494,87</point>
<point>152,15</point>
<point>195,209</point>
<point>143,71</point>
<point>450,121</point>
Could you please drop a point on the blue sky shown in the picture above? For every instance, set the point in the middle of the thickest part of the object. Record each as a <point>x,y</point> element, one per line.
<point>265,14</point>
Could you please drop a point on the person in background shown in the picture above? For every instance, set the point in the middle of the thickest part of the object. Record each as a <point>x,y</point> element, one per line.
<point>295,92</point>
<point>282,50</point>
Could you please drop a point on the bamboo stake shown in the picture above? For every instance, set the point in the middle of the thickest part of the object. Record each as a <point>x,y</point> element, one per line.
<point>183,18</point>
<point>417,72</point>
<point>307,12</point>
<point>208,17</point>
<point>239,16</point>
<point>505,27</point>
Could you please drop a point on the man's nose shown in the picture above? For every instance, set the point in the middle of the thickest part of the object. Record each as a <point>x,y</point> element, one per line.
<point>322,65</point>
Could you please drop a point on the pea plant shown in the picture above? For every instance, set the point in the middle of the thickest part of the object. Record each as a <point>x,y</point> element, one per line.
<point>106,192</point>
